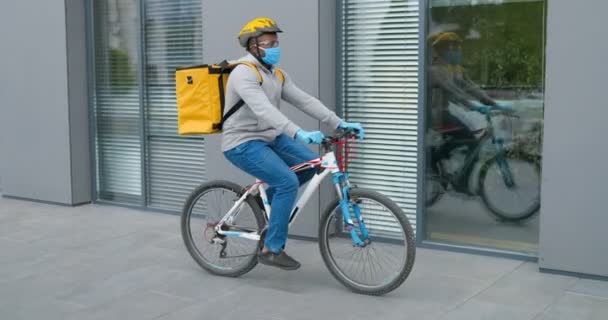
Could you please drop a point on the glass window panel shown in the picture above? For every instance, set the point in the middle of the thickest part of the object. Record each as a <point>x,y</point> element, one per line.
<point>173,38</point>
<point>485,73</point>
<point>116,101</point>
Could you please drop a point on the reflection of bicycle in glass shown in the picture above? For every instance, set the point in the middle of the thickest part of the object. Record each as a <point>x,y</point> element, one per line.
<point>509,180</point>
<point>365,239</point>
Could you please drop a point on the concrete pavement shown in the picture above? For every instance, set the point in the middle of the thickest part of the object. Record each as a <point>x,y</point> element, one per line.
<point>105,262</point>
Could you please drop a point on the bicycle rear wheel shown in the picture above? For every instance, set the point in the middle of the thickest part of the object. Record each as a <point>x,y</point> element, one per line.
<point>435,188</point>
<point>221,255</point>
<point>385,261</point>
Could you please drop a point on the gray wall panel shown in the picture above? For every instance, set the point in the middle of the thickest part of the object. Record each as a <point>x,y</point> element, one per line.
<point>327,73</point>
<point>44,146</point>
<point>573,233</point>
<point>34,101</point>
<point>78,103</point>
<point>300,44</point>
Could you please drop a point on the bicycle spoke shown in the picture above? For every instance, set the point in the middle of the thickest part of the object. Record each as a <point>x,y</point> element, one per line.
<point>237,252</point>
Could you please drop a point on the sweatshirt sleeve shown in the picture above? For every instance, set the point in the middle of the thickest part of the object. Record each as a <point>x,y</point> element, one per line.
<point>245,82</point>
<point>308,104</point>
<point>441,79</point>
<point>476,91</point>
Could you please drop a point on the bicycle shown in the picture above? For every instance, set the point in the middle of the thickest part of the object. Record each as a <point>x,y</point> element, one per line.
<point>223,227</point>
<point>509,181</point>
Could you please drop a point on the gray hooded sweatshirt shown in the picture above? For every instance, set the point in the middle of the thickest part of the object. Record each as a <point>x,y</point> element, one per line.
<point>260,117</point>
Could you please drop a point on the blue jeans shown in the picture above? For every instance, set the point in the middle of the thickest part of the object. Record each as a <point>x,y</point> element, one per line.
<point>270,162</point>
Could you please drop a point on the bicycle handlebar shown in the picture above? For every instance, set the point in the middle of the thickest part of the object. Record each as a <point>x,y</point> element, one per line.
<point>341,134</point>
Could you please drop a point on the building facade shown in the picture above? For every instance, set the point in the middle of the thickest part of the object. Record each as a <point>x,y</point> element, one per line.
<point>88,111</point>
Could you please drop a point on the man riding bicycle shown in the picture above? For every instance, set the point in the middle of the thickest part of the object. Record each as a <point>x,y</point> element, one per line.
<point>260,140</point>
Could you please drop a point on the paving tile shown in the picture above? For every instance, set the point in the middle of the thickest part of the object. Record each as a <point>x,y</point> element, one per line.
<point>263,303</point>
<point>138,305</point>
<point>596,288</point>
<point>100,292</point>
<point>45,308</point>
<point>481,310</point>
<point>527,288</point>
<point>576,306</point>
<point>464,266</point>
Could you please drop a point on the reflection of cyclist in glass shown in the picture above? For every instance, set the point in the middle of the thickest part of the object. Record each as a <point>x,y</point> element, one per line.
<point>455,100</point>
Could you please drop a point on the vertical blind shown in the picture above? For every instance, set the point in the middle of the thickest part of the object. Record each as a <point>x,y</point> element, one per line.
<point>380,89</point>
<point>173,38</point>
<point>117,101</point>
<point>137,46</point>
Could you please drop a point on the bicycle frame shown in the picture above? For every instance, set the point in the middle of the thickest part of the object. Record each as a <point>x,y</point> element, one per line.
<point>461,180</point>
<point>500,155</point>
<point>329,165</point>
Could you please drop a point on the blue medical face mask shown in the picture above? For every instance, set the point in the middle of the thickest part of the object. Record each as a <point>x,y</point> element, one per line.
<point>453,57</point>
<point>272,56</point>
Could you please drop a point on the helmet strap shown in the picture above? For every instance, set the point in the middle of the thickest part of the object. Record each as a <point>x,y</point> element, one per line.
<point>257,48</point>
<point>259,56</point>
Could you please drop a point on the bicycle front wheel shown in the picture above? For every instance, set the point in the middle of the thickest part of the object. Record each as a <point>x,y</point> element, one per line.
<point>218,254</point>
<point>510,186</point>
<point>387,257</point>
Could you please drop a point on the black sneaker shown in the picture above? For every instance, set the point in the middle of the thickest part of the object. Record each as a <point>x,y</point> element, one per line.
<point>279,260</point>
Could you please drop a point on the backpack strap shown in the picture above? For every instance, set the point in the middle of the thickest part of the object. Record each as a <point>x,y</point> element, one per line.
<point>254,67</point>
<point>239,104</point>
<point>280,75</point>
<point>260,80</point>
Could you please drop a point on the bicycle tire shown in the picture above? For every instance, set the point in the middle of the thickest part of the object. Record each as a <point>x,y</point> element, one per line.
<point>187,234</point>
<point>357,195</point>
<point>490,202</point>
<point>434,187</point>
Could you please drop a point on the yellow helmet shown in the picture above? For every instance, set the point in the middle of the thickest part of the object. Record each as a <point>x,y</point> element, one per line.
<point>256,28</point>
<point>444,36</point>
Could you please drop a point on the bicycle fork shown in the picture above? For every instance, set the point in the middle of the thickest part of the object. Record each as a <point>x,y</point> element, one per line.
<point>360,239</point>
<point>503,165</point>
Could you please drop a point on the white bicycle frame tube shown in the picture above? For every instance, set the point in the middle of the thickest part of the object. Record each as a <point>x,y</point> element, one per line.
<point>327,162</point>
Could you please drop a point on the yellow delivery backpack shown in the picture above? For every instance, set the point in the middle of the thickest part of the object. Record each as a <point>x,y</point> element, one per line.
<point>200,92</point>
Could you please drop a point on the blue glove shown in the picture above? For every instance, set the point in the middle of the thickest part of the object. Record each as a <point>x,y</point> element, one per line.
<point>356,126</point>
<point>315,137</point>
<point>482,109</point>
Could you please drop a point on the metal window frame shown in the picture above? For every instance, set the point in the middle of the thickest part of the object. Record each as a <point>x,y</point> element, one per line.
<point>143,94</point>
<point>420,192</point>
<point>340,70</point>
<point>90,60</point>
